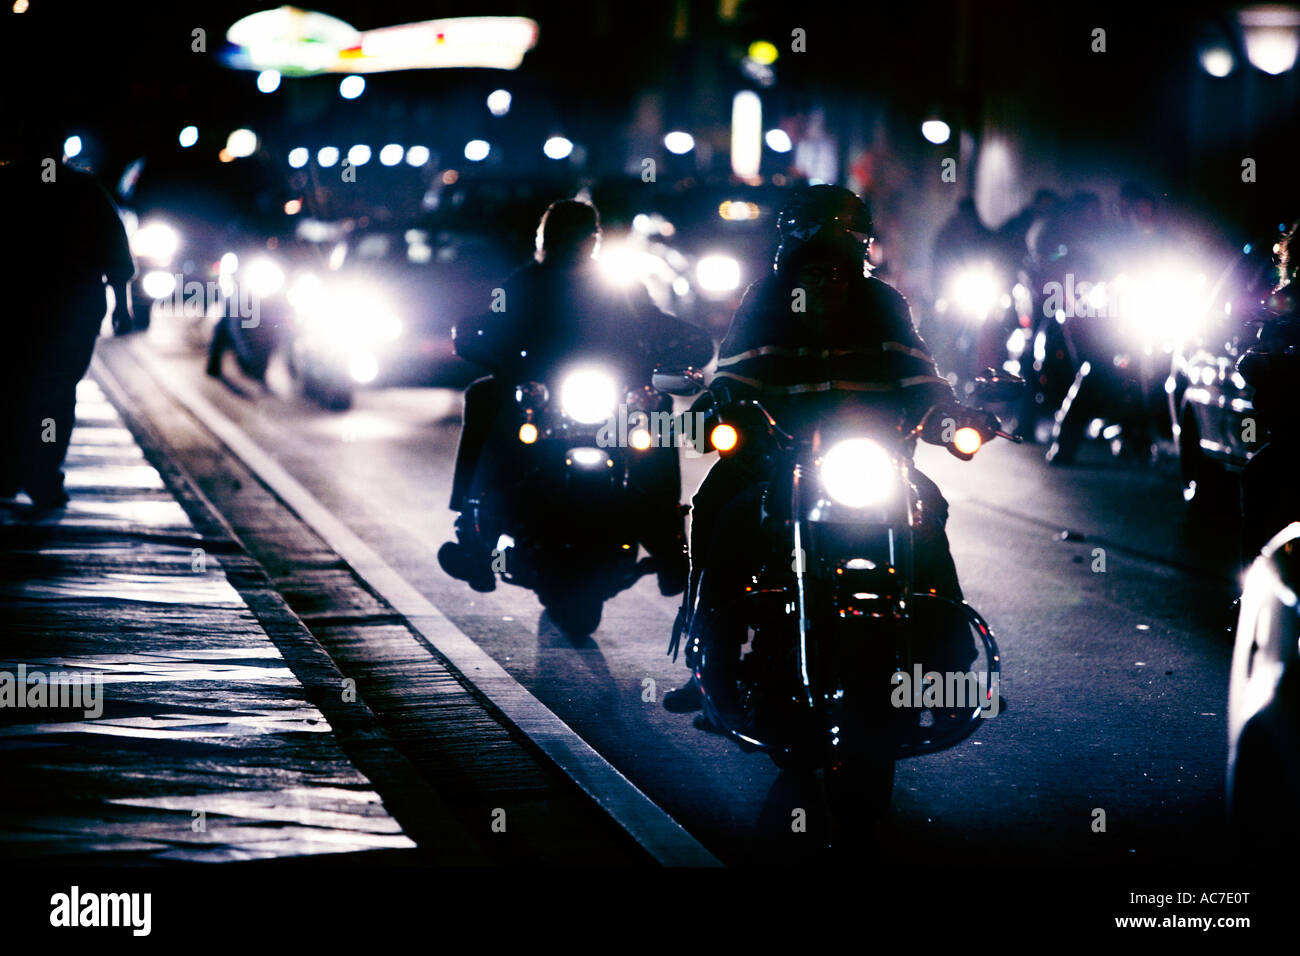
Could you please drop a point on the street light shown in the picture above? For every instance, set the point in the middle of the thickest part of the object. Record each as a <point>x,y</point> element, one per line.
<point>1272,37</point>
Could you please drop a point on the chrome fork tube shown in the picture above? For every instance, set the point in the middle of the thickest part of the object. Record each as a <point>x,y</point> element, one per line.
<point>801,560</point>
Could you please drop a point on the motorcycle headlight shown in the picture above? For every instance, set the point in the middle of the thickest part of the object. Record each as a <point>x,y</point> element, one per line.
<point>975,291</point>
<point>589,396</point>
<point>263,277</point>
<point>858,472</point>
<point>156,242</point>
<point>1162,303</point>
<point>718,273</point>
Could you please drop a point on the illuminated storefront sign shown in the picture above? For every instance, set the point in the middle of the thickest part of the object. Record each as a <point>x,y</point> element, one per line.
<point>297,42</point>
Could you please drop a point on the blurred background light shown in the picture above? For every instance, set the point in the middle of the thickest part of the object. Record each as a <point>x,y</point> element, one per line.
<point>557,147</point>
<point>298,157</point>
<point>498,102</point>
<point>1272,37</point>
<point>761,51</point>
<point>189,136</point>
<point>936,131</point>
<point>241,142</point>
<point>359,155</point>
<point>327,156</point>
<point>72,147</point>
<point>350,87</point>
<point>476,150</point>
<point>746,134</point>
<point>417,155</point>
<point>679,142</point>
<point>1217,61</point>
<point>778,140</point>
<point>268,81</point>
<point>391,154</point>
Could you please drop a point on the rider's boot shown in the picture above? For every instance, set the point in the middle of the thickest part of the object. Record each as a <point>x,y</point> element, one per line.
<point>468,558</point>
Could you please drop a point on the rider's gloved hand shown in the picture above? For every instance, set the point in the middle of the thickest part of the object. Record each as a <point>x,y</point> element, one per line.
<point>944,421</point>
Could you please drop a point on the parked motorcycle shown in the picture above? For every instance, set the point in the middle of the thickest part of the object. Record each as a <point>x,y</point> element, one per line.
<point>833,633</point>
<point>573,486</point>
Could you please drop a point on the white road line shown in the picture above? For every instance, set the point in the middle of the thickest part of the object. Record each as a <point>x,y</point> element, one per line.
<point>659,834</point>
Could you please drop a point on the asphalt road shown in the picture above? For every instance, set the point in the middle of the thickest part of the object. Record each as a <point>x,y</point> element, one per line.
<point>1115,681</point>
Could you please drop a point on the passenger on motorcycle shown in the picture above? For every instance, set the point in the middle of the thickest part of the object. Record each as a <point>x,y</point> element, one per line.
<point>818,333</point>
<point>550,311</point>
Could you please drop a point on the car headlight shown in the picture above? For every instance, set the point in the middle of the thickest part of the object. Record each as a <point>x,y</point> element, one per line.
<point>622,264</point>
<point>588,396</point>
<point>263,277</point>
<point>342,315</point>
<point>858,472</point>
<point>156,243</point>
<point>718,273</point>
<point>975,291</point>
<point>158,284</point>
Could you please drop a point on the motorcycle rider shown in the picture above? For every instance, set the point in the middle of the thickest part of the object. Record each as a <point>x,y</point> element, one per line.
<point>551,310</point>
<point>853,339</point>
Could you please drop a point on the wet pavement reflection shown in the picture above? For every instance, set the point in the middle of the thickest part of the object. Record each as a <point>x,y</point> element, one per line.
<point>181,733</point>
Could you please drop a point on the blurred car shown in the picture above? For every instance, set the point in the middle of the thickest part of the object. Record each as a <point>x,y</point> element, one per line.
<point>698,248</point>
<point>1209,401</point>
<point>190,217</point>
<point>381,311</point>
<point>1263,781</point>
<point>380,307</point>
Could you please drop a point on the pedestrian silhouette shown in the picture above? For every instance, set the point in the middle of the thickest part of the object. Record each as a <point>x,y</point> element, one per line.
<point>64,243</point>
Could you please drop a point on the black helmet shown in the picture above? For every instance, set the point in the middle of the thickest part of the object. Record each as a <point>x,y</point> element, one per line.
<point>829,213</point>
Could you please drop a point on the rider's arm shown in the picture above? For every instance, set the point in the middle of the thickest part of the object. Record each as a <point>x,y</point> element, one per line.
<point>668,340</point>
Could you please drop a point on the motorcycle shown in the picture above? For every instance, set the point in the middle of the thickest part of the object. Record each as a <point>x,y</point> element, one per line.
<point>831,636</point>
<point>575,487</point>
<point>977,309</point>
<point>1101,351</point>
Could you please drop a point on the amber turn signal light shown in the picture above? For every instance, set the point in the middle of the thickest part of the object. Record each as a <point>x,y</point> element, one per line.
<point>724,437</point>
<point>967,440</point>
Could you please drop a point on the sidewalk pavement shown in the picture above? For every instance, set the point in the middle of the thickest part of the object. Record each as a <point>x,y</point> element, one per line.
<point>190,738</point>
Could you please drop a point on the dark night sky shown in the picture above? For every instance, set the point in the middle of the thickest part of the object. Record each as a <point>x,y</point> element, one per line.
<point>126,70</point>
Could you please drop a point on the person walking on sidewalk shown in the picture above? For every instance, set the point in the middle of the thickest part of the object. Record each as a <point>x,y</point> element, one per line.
<point>65,242</point>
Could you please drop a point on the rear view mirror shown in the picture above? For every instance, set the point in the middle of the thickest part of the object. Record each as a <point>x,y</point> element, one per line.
<point>686,382</point>
<point>995,386</point>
